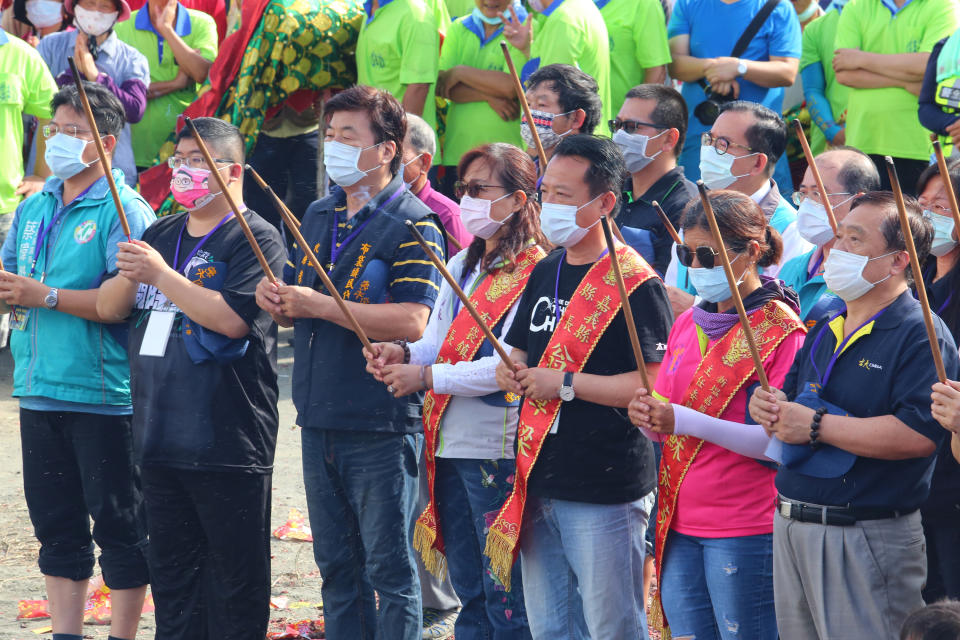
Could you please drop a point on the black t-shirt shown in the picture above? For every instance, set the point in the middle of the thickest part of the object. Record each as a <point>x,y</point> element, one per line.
<point>208,415</point>
<point>596,456</point>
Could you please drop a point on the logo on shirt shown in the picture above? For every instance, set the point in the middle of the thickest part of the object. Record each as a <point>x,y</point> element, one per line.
<point>85,231</point>
<point>661,346</point>
<point>377,61</point>
<point>866,364</point>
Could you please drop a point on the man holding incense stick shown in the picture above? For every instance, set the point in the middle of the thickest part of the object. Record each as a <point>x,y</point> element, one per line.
<point>578,517</point>
<point>361,440</point>
<point>853,429</point>
<point>203,360</point>
<point>71,372</point>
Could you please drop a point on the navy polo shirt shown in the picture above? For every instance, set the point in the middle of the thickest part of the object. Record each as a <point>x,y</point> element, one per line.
<point>886,369</point>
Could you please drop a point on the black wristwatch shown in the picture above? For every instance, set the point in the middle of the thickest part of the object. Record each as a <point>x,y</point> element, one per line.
<point>566,389</point>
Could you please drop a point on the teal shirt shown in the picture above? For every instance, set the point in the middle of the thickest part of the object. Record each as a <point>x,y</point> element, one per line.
<point>796,275</point>
<point>56,355</point>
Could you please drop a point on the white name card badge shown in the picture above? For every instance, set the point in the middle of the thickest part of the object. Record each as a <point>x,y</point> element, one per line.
<point>157,333</point>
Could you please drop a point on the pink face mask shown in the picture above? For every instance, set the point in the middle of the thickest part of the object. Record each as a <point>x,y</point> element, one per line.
<point>190,188</point>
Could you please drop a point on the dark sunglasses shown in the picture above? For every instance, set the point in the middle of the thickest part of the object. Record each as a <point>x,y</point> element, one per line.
<point>706,256</point>
<point>630,126</point>
<point>472,189</point>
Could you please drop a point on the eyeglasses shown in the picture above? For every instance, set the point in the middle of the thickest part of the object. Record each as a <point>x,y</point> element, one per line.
<point>192,162</point>
<point>799,196</point>
<point>50,130</point>
<point>630,126</point>
<point>939,208</point>
<point>472,189</point>
<point>722,145</point>
<point>706,256</point>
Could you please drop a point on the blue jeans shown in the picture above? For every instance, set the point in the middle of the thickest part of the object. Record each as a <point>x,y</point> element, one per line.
<point>469,495</point>
<point>361,495</point>
<point>715,588</point>
<point>583,568</point>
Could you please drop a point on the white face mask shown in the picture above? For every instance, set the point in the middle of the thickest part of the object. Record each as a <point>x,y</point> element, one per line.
<point>634,148</point>
<point>843,274</point>
<point>340,161</point>
<point>475,215</point>
<point>44,13</point>
<point>711,284</point>
<point>94,23</point>
<point>559,223</point>
<point>716,169</point>
<point>403,169</point>
<point>943,242</point>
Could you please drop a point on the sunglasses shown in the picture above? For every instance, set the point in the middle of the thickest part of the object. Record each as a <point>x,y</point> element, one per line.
<point>630,126</point>
<point>472,189</point>
<point>706,256</point>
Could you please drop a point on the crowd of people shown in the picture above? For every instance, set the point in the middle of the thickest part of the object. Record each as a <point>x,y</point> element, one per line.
<point>483,452</point>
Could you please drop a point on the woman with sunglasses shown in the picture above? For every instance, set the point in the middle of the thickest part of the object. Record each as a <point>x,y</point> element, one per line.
<point>714,543</point>
<point>469,424</point>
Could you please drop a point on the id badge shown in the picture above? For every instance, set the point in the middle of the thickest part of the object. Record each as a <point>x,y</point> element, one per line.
<point>18,318</point>
<point>157,334</point>
<point>556,421</point>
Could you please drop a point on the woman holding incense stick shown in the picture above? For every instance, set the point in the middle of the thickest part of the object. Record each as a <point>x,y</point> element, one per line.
<point>714,546</point>
<point>468,422</point>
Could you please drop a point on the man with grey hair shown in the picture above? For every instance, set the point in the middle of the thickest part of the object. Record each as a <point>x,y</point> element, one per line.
<point>419,148</point>
<point>846,173</point>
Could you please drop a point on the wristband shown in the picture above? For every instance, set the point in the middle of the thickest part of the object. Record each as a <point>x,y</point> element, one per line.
<point>815,428</point>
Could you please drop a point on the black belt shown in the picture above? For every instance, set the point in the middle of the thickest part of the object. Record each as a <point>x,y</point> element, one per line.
<point>836,516</point>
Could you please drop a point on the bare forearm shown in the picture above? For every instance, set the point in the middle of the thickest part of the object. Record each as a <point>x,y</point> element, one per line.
<point>496,83</point>
<point>863,79</point>
<point>115,298</point>
<point>82,304</point>
<point>382,322</point>
<point>192,63</point>
<point>462,93</point>
<point>955,445</point>
<point>611,391</point>
<point>772,73</point>
<point>881,437</point>
<point>415,97</point>
<point>655,75</point>
<point>908,67</point>
<point>203,306</point>
<point>687,68</point>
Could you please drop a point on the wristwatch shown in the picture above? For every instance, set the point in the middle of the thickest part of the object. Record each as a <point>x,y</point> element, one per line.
<point>566,389</point>
<point>741,67</point>
<point>52,298</point>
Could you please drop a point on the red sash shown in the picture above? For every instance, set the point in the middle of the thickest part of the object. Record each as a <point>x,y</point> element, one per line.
<point>592,308</point>
<point>493,299</point>
<point>725,368</point>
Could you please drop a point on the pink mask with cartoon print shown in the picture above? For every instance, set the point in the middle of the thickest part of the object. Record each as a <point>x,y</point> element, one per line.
<point>190,188</point>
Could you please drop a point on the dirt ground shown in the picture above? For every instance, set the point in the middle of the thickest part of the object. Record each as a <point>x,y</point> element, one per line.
<point>295,576</point>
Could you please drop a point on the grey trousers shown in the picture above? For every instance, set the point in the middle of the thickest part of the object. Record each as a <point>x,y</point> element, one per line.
<point>847,583</point>
<point>436,593</point>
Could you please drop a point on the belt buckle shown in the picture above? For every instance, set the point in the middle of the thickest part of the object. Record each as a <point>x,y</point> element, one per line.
<point>786,509</point>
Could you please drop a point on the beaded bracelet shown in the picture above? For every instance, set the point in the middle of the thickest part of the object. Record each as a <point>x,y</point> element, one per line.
<point>406,350</point>
<point>815,428</point>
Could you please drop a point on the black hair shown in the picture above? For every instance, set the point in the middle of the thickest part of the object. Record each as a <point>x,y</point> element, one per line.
<point>740,220</point>
<point>859,175</point>
<point>920,227</point>
<point>388,121</point>
<point>107,109</point>
<point>222,138</point>
<point>670,111</point>
<point>951,313</point>
<point>767,134</point>
<point>607,166</point>
<point>575,90</point>
<point>938,621</point>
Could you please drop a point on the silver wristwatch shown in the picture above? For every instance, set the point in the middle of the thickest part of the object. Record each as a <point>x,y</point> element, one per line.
<point>741,67</point>
<point>566,389</point>
<point>52,298</point>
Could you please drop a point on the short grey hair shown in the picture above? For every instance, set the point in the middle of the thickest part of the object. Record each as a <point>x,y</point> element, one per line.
<point>420,135</point>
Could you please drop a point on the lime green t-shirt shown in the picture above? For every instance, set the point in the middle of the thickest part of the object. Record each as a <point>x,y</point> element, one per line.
<point>818,39</point>
<point>460,8</point>
<point>638,41</point>
<point>470,124</point>
<point>573,32</point>
<point>26,86</point>
<point>884,121</point>
<point>199,32</point>
<point>400,45</point>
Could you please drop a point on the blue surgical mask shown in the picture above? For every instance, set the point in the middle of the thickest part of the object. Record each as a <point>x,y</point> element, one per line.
<point>478,15</point>
<point>64,155</point>
<point>943,242</point>
<point>711,284</point>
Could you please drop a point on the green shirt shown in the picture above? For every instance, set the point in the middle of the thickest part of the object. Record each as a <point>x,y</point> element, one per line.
<point>818,38</point>
<point>884,121</point>
<point>461,8</point>
<point>26,86</point>
<point>572,32</point>
<point>633,49</point>
<point>399,45</point>
<point>199,32</point>
<point>470,124</point>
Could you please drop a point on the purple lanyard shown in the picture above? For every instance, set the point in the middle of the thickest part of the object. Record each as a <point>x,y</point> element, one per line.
<point>45,230</point>
<point>556,286</point>
<point>816,267</point>
<point>839,350</point>
<point>335,247</point>
<point>463,283</point>
<point>186,261</point>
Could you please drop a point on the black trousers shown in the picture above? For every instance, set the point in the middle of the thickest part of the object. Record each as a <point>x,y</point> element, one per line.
<point>908,171</point>
<point>209,553</point>
<point>78,466</point>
